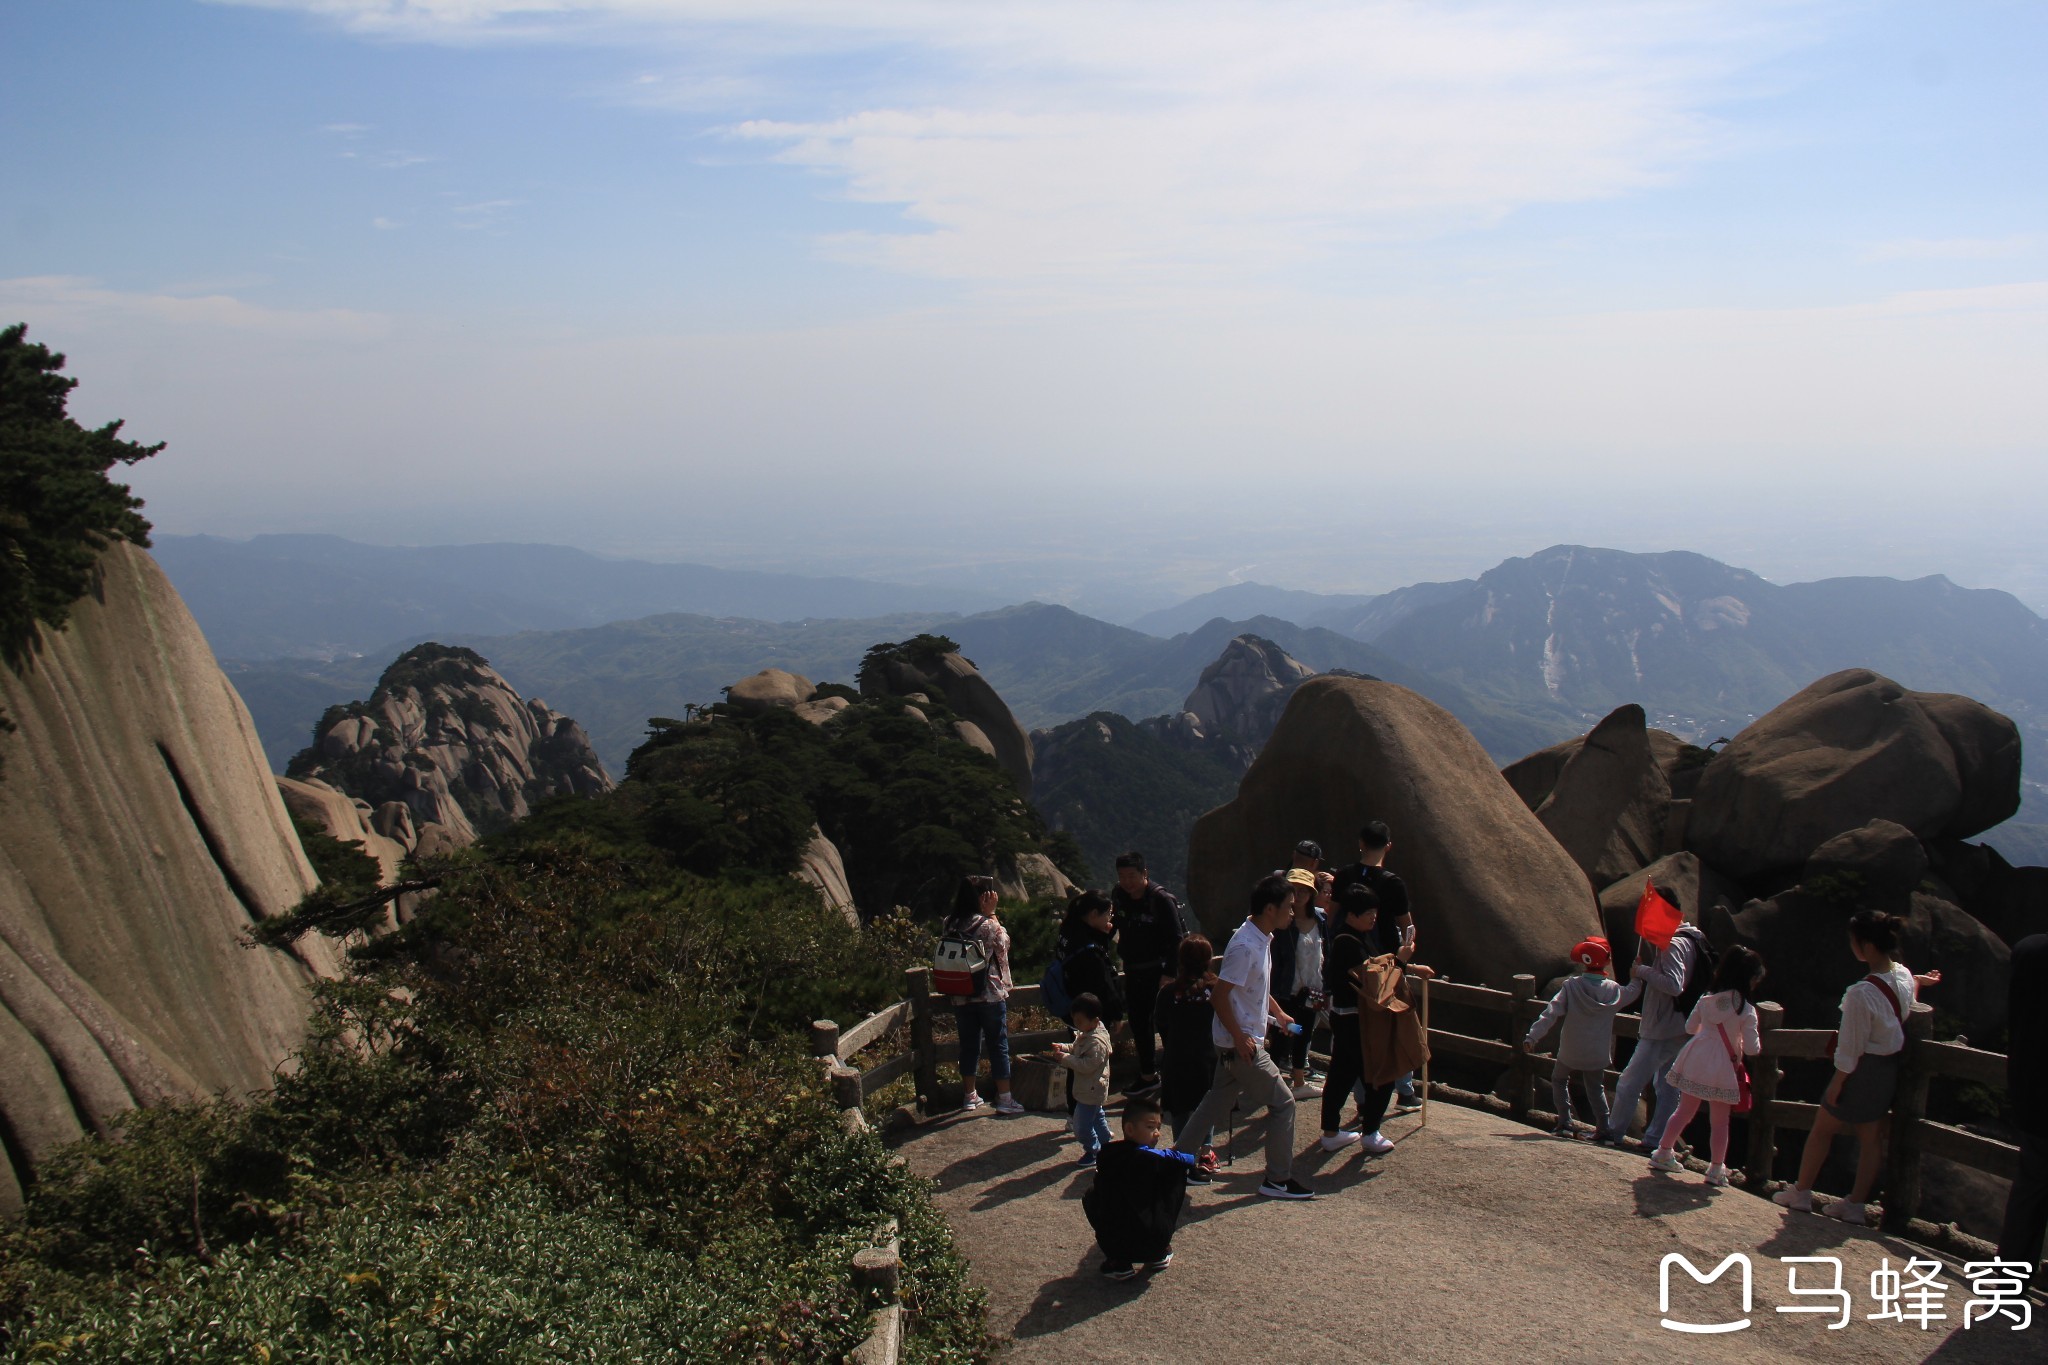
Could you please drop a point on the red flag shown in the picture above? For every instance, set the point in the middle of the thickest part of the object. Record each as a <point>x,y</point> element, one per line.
<point>1656,918</point>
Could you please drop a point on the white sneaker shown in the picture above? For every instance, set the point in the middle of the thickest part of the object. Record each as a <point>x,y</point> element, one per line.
<point>1792,1197</point>
<point>973,1101</point>
<point>1857,1214</point>
<point>1339,1140</point>
<point>1006,1103</point>
<point>1717,1174</point>
<point>1664,1159</point>
<point>1305,1091</point>
<point>1374,1144</point>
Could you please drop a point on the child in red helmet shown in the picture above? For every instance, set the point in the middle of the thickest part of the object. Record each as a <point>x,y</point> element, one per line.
<point>1583,1009</point>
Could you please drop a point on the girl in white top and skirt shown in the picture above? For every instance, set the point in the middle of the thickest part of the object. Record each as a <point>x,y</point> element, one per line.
<point>1708,1070</point>
<point>1867,1052</point>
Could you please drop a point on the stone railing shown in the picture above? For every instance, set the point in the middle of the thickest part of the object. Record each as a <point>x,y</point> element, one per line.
<point>1912,1134</point>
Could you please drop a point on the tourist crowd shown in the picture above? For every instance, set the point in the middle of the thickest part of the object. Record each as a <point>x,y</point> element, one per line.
<point>1336,949</point>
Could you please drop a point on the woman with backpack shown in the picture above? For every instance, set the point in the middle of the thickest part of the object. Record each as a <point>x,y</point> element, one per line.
<point>1867,1049</point>
<point>1082,954</point>
<point>983,1015</point>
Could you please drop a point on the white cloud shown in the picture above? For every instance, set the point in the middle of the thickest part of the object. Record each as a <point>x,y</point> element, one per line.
<point>383,224</point>
<point>1951,248</point>
<point>1116,144</point>
<point>54,301</point>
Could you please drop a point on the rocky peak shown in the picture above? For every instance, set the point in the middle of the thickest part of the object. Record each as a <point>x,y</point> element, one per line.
<point>446,750</point>
<point>931,666</point>
<point>1236,702</point>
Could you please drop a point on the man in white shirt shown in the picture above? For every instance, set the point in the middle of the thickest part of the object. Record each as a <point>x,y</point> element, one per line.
<point>1245,1074</point>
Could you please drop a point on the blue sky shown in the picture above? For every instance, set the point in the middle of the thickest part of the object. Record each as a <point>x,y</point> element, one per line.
<point>760,281</point>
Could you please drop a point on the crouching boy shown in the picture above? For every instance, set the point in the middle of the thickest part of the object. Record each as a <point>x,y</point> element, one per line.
<point>1137,1196</point>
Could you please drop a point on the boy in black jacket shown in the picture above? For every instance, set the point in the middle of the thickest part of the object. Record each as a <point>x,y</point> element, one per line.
<point>1137,1196</point>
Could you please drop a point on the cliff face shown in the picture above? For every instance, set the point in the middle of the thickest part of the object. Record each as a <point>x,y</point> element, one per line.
<point>140,835</point>
<point>445,750</point>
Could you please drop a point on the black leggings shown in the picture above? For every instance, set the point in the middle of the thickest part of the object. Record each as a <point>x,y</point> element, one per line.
<point>1290,1051</point>
<point>1346,1062</point>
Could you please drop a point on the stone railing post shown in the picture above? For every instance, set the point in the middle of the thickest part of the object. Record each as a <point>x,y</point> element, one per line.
<point>1764,1071</point>
<point>918,984</point>
<point>1522,1081</point>
<point>1902,1158</point>
<point>824,1038</point>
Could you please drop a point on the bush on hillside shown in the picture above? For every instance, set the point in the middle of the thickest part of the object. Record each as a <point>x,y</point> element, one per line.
<point>567,1109</point>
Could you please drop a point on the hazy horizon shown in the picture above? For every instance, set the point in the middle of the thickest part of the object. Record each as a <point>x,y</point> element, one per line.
<point>1108,304</point>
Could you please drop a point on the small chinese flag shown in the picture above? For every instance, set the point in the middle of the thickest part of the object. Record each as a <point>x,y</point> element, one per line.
<point>1656,918</point>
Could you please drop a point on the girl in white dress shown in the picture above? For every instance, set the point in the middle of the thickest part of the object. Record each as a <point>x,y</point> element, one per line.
<point>1708,1070</point>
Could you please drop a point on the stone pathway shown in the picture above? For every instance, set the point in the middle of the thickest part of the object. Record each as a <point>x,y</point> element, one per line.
<point>1477,1239</point>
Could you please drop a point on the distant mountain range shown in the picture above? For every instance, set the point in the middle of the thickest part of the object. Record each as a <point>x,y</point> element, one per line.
<point>322,597</point>
<point>1534,649</point>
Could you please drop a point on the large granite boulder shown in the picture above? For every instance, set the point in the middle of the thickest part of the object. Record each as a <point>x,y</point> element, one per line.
<point>821,866</point>
<point>1699,888</point>
<point>1804,939</point>
<point>1611,798</point>
<point>346,819</point>
<point>770,689</point>
<point>140,836</point>
<point>1534,776</point>
<point>1493,893</point>
<point>1881,862</point>
<point>448,738</point>
<point>1852,748</point>
<point>970,696</point>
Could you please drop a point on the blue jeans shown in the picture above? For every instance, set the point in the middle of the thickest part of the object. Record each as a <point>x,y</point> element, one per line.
<point>1091,1125</point>
<point>990,1020</point>
<point>1648,1066</point>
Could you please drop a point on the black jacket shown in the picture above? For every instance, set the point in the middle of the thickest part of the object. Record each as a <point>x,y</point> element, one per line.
<point>1149,928</point>
<point>1085,964</point>
<point>1136,1200</point>
<point>2026,1025</point>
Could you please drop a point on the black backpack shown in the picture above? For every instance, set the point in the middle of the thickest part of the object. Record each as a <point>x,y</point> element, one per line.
<point>1701,972</point>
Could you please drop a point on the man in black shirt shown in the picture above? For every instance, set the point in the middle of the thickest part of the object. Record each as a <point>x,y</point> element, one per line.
<point>1396,920</point>
<point>1149,928</point>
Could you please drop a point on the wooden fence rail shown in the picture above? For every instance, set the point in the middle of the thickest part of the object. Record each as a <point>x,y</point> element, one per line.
<point>1912,1134</point>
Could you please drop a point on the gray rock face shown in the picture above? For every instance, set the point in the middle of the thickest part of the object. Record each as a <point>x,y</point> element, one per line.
<point>1611,800</point>
<point>971,698</point>
<point>822,709</point>
<point>769,689</point>
<point>1239,698</point>
<point>451,741</point>
<point>1493,893</point>
<point>821,866</point>
<point>1852,748</point>
<point>350,821</point>
<point>140,836</point>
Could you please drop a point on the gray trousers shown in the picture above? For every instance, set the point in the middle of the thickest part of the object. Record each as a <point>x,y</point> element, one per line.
<point>1646,1071</point>
<point>1593,1083</point>
<point>1251,1086</point>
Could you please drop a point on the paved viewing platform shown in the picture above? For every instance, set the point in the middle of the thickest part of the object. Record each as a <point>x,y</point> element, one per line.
<point>1477,1239</point>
